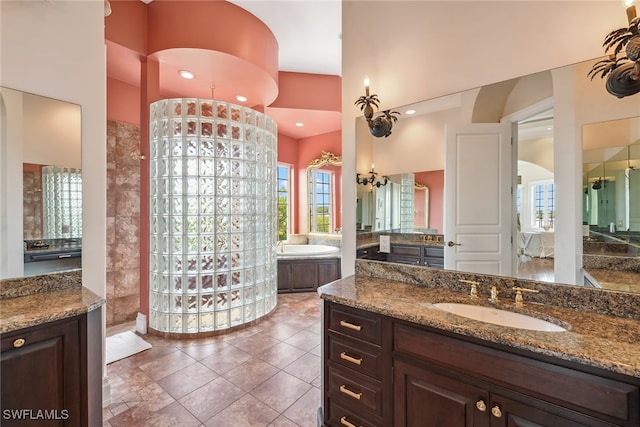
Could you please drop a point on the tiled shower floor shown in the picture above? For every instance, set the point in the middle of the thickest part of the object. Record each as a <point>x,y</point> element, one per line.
<point>266,375</point>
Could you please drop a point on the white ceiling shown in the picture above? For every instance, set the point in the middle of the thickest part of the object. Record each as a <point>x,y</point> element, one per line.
<point>307,31</point>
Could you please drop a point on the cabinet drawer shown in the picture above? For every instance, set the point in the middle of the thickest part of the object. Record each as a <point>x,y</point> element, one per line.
<point>355,323</point>
<point>360,357</point>
<point>405,259</point>
<point>345,418</point>
<point>355,391</point>
<point>406,250</point>
<point>552,383</point>
<point>434,252</point>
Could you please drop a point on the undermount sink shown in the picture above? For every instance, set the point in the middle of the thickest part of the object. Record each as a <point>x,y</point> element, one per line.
<point>499,317</point>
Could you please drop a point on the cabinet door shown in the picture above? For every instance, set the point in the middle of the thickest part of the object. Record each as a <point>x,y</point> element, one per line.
<point>304,276</point>
<point>40,370</point>
<point>284,276</point>
<point>328,271</point>
<point>427,399</point>
<point>509,413</point>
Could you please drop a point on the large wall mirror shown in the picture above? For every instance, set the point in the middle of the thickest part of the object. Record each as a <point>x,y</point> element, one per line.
<point>533,110</point>
<point>41,184</point>
<point>611,181</point>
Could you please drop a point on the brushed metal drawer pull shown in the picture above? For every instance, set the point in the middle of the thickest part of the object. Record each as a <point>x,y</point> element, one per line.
<point>345,390</point>
<point>18,342</point>
<point>345,356</point>
<point>344,422</point>
<point>350,325</point>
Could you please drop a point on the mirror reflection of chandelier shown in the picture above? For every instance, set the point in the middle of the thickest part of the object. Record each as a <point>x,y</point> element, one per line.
<point>372,179</point>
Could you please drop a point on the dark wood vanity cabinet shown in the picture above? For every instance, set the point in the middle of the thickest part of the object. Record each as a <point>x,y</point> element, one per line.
<point>372,252</point>
<point>42,369</point>
<point>428,256</point>
<point>441,380</point>
<point>305,275</point>
<point>355,378</point>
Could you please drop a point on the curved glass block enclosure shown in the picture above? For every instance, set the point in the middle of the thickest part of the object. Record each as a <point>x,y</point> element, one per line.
<point>213,215</point>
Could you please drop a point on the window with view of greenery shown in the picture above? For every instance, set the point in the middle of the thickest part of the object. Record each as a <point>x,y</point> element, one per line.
<point>284,201</point>
<point>321,200</point>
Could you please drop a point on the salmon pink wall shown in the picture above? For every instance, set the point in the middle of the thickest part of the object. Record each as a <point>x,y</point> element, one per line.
<point>123,102</point>
<point>127,25</point>
<point>308,91</point>
<point>435,181</point>
<point>287,150</point>
<point>213,25</point>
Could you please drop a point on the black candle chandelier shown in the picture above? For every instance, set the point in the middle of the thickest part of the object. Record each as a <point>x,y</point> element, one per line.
<point>372,179</point>
<point>379,126</point>
<point>622,67</point>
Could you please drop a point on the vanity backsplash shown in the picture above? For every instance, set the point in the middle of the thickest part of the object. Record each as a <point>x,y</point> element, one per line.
<point>626,305</point>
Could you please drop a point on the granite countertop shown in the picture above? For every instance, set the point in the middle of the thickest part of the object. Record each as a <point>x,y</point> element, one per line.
<point>36,300</point>
<point>56,248</point>
<point>624,281</point>
<point>592,339</point>
<point>417,241</point>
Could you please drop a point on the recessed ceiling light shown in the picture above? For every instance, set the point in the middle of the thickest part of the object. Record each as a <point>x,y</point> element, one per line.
<point>410,112</point>
<point>186,74</point>
<point>299,124</point>
<point>241,98</point>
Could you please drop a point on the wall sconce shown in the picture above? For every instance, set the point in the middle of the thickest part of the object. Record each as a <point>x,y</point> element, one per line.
<point>381,125</point>
<point>622,67</point>
<point>372,179</point>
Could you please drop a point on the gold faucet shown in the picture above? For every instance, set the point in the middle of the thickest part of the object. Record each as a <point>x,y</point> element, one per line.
<point>473,294</point>
<point>494,294</point>
<point>519,300</point>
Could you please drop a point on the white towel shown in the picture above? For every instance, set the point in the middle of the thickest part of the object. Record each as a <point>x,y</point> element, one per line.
<point>123,345</point>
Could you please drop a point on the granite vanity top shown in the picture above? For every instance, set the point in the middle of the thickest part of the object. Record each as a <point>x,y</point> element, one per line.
<point>417,241</point>
<point>36,300</point>
<point>598,340</point>
<point>624,281</point>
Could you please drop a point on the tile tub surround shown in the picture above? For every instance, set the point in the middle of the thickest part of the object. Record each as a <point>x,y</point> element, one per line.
<point>596,340</point>
<point>50,297</point>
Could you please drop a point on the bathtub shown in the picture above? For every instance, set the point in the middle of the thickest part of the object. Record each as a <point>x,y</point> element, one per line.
<point>302,268</point>
<point>306,251</point>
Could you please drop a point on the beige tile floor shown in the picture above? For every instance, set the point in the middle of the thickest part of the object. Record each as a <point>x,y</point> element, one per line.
<point>266,375</point>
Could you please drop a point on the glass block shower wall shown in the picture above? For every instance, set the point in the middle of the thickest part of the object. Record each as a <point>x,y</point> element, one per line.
<point>213,215</point>
<point>407,211</point>
<point>62,202</point>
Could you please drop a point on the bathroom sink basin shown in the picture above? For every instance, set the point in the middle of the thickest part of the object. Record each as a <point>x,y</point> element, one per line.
<point>499,317</point>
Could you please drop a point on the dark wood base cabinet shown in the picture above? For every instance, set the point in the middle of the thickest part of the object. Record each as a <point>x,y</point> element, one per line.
<point>442,380</point>
<point>305,275</point>
<point>46,376</point>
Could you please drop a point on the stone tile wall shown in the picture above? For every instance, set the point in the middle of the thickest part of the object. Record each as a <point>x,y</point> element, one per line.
<point>123,222</point>
<point>32,204</point>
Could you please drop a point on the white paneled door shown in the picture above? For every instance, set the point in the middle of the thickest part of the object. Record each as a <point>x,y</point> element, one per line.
<point>478,201</point>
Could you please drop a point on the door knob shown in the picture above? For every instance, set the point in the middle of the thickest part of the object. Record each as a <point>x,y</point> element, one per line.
<point>481,405</point>
<point>451,243</point>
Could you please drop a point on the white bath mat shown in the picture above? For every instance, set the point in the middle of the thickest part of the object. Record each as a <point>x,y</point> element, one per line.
<point>123,345</point>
